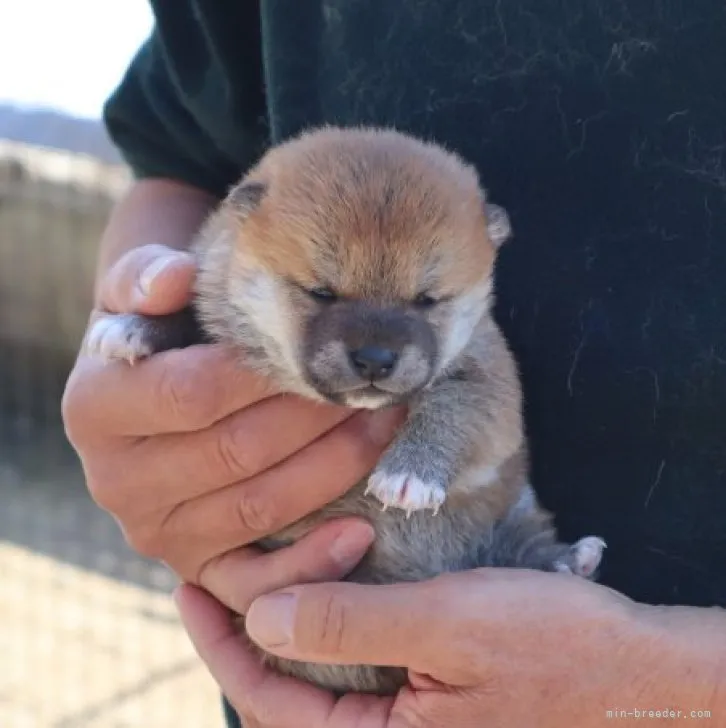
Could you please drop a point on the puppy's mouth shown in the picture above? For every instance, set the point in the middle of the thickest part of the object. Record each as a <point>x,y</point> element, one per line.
<point>366,396</point>
<point>369,397</point>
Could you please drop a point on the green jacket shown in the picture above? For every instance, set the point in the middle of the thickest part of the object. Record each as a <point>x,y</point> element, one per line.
<point>600,126</point>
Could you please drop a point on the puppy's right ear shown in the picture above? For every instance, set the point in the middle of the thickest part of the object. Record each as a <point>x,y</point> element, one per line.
<point>498,226</point>
<point>244,197</point>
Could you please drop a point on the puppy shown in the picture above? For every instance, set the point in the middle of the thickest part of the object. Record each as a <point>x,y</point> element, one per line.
<point>355,266</point>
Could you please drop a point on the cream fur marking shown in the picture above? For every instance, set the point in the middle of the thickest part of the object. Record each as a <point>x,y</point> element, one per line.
<point>262,298</point>
<point>466,313</point>
<point>473,478</point>
<point>366,400</point>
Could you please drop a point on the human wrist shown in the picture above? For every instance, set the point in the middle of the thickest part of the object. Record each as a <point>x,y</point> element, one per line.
<point>680,653</point>
<point>153,211</point>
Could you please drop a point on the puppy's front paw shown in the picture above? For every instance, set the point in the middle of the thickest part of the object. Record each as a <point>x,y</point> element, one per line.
<point>130,336</point>
<point>119,336</point>
<point>405,491</point>
<point>583,557</point>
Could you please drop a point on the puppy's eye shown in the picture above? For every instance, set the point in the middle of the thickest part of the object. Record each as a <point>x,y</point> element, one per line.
<point>324,295</point>
<point>424,300</point>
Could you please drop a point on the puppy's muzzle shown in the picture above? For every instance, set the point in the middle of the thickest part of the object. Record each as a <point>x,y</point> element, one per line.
<point>373,363</point>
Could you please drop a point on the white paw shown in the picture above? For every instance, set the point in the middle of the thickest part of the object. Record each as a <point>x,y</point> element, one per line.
<point>117,337</point>
<point>405,491</point>
<point>587,555</point>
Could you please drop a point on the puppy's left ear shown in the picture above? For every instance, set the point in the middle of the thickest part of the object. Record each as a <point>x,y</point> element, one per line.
<point>499,228</point>
<point>245,197</point>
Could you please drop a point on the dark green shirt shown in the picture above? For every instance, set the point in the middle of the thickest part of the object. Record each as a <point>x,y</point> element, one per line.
<point>601,126</point>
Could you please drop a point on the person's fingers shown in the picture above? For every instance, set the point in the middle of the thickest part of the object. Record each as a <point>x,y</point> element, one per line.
<point>267,698</point>
<point>248,511</point>
<point>173,391</point>
<point>236,448</point>
<point>242,513</point>
<point>344,623</point>
<point>150,279</point>
<point>261,697</point>
<point>238,577</point>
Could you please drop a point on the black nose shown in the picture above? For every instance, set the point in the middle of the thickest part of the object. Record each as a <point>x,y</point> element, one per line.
<point>373,362</point>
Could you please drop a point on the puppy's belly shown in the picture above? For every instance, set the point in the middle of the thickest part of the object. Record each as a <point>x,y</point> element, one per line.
<point>413,548</point>
<point>342,679</point>
<point>475,527</point>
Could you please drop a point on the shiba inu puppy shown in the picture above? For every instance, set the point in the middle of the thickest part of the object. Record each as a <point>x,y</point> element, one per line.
<point>356,266</point>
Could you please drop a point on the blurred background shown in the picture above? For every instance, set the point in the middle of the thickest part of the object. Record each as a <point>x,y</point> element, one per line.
<point>88,634</point>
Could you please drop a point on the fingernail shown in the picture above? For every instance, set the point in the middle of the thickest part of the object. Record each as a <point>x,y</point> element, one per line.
<point>146,279</point>
<point>381,425</point>
<point>350,546</point>
<point>270,620</point>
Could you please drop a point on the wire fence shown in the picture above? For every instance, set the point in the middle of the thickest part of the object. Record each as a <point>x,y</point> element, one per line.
<point>89,637</point>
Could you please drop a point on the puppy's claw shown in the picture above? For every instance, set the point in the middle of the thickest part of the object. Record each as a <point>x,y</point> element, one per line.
<point>585,557</point>
<point>117,337</point>
<point>407,492</point>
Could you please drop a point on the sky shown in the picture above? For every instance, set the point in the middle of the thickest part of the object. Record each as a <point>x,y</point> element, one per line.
<point>67,55</point>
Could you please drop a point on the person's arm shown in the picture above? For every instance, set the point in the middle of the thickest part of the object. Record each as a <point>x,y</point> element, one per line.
<point>168,119</point>
<point>687,649</point>
<point>156,212</point>
<point>495,647</point>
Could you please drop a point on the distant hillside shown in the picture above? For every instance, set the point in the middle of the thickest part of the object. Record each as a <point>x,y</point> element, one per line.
<point>57,131</point>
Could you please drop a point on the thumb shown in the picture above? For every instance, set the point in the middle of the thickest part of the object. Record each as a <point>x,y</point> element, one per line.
<point>345,623</point>
<point>151,279</point>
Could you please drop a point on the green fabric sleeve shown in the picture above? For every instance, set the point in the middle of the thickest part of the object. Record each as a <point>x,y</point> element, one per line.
<point>174,113</point>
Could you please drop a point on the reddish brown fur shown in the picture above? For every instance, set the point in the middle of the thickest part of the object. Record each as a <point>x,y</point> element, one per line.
<point>335,183</point>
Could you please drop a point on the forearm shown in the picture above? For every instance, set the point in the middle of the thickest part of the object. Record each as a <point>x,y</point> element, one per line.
<point>683,664</point>
<point>159,211</point>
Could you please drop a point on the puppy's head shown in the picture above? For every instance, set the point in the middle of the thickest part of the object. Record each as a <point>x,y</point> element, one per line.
<point>359,261</point>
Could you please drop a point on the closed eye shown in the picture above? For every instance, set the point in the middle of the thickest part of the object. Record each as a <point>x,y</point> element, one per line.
<point>322,294</point>
<point>424,300</point>
<point>427,300</point>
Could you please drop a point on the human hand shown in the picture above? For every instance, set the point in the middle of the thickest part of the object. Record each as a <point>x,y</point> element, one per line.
<point>492,647</point>
<point>195,457</point>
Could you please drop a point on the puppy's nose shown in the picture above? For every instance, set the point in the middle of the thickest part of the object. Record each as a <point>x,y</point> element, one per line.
<point>373,362</point>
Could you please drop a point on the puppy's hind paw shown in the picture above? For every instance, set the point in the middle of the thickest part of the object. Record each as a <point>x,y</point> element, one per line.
<point>118,337</point>
<point>405,491</point>
<point>583,557</point>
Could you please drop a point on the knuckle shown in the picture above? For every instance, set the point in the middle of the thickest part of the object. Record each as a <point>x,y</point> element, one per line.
<point>237,452</point>
<point>141,535</point>
<point>107,481</point>
<point>188,397</point>
<point>73,407</point>
<point>108,484</point>
<point>144,541</point>
<point>415,713</point>
<point>231,579</point>
<point>106,492</point>
<point>256,512</point>
<point>327,625</point>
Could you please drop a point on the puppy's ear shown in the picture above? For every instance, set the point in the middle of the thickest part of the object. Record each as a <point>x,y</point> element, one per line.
<point>499,228</point>
<point>244,197</point>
